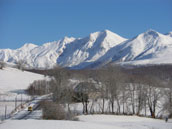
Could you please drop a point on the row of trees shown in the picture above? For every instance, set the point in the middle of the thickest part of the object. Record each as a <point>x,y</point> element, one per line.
<point>131,94</point>
<point>21,64</point>
<point>110,90</point>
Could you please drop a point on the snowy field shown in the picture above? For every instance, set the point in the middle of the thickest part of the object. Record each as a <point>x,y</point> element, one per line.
<point>90,122</point>
<point>14,80</point>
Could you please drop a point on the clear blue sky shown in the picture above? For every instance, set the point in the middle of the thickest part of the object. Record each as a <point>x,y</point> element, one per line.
<point>40,21</point>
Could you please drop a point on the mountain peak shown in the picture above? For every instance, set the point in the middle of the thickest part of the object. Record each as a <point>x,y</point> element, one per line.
<point>67,39</point>
<point>107,31</point>
<point>112,34</point>
<point>151,32</point>
<point>107,34</point>
<point>103,32</point>
<point>28,46</point>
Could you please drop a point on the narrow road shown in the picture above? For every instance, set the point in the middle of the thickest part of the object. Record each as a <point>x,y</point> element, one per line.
<point>25,114</point>
<point>36,113</point>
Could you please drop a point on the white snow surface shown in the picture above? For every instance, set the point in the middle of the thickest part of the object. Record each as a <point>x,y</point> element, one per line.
<point>97,49</point>
<point>90,122</point>
<point>12,79</point>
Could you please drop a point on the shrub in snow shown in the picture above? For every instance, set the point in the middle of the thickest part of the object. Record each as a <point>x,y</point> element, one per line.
<point>2,65</point>
<point>52,111</point>
<point>55,111</point>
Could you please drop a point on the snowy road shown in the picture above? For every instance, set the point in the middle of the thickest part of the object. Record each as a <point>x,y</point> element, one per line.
<point>36,113</point>
<point>25,114</point>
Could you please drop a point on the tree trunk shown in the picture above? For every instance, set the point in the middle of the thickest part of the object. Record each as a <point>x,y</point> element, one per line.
<point>86,107</point>
<point>112,106</point>
<point>103,106</point>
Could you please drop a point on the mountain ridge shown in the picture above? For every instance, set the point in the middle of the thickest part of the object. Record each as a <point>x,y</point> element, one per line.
<point>98,48</point>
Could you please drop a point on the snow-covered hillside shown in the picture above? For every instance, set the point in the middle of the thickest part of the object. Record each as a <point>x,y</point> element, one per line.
<point>97,49</point>
<point>12,79</point>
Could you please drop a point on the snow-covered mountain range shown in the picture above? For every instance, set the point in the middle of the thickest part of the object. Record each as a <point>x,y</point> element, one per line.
<point>97,49</point>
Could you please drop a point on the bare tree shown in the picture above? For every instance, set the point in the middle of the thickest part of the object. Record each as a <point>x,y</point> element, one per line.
<point>21,64</point>
<point>83,91</point>
<point>112,80</point>
<point>99,78</point>
<point>124,97</point>
<point>153,95</point>
<point>141,100</point>
<point>59,86</point>
<point>39,87</point>
<point>168,104</point>
<point>58,83</point>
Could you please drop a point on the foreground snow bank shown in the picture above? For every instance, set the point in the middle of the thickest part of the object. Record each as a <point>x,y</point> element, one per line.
<point>90,122</point>
<point>127,122</point>
<point>52,124</point>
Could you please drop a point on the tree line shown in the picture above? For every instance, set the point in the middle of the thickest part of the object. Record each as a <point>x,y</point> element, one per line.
<point>111,89</point>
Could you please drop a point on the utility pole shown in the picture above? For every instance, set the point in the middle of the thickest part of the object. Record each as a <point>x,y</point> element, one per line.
<point>21,101</point>
<point>16,103</point>
<point>5,111</point>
